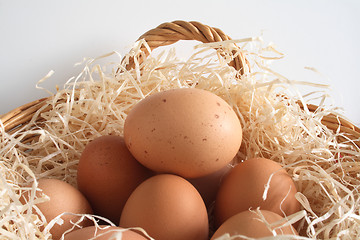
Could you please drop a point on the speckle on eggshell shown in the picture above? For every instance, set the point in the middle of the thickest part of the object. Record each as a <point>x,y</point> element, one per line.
<point>191,128</point>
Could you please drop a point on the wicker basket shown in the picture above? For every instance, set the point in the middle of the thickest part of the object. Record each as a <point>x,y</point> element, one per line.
<point>166,34</point>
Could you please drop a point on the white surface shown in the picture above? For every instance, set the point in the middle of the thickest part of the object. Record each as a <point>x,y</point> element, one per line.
<point>39,36</point>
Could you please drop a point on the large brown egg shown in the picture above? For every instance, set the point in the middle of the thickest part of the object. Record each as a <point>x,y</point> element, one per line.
<point>64,198</point>
<point>189,132</point>
<point>244,186</point>
<point>107,174</point>
<point>167,207</point>
<point>251,225</point>
<point>103,233</point>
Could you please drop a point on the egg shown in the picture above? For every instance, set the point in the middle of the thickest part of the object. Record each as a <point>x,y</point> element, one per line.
<point>167,207</point>
<point>107,174</point>
<point>250,224</point>
<point>208,185</point>
<point>102,233</point>
<point>64,198</point>
<point>244,186</point>
<point>187,131</point>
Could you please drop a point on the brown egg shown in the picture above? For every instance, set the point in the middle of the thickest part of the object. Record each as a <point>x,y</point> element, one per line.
<point>250,224</point>
<point>102,233</point>
<point>244,186</point>
<point>208,185</point>
<point>167,207</point>
<point>107,174</point>
<point>188,132</point>
<point>64,198</point>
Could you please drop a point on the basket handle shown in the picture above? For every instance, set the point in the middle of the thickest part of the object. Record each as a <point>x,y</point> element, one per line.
<point>171,32</point>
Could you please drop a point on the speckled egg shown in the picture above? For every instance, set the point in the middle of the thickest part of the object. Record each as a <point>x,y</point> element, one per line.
<point>243,188</point>
<point>189,132</point>
<point>253,225</point>
<point>103,233</point>
<point>167,207</point>
<point>64,198</point>
<point>107,174</point>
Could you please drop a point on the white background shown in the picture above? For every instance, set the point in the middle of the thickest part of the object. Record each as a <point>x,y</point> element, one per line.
<point>38,36</point>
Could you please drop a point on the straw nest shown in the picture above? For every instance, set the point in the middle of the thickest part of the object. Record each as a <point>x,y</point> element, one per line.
<point>314,143</point>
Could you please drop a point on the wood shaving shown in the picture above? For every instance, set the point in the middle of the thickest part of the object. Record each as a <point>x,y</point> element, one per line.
<point>96,102</point>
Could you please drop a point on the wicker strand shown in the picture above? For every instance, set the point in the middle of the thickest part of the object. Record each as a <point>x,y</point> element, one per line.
<point>171,32</point>
<point>21,115</point>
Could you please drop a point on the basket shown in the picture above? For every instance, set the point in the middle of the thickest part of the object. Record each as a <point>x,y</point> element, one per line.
<point>166,34</point>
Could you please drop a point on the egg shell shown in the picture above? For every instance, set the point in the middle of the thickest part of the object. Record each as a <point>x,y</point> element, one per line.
<point>250,224</point>
<point>63,198</point>
<point>208,185</point>
<point>102,233</point>
<point>167,207</point>
<point>244,186</point>
<point>188,132</point>
<point>107,174</point>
